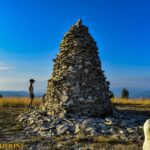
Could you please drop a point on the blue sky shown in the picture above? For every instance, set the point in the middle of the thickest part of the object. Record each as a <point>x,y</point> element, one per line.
<point>31,31</point>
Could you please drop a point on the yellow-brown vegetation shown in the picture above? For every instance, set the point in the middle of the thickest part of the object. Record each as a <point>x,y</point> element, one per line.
<point>24,101</point>
<point>18,102</point>
<point>131,101</point>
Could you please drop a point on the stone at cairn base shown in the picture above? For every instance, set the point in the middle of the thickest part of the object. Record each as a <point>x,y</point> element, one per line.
<point>121,127</point>
<point>77,85</point>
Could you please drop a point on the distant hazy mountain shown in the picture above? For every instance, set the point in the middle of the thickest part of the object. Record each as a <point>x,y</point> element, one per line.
<point>17,94</point>
<point>14,93</point>
<point>133,93</point>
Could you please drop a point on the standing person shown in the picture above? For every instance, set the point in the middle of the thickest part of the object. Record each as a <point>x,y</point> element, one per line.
<point>31,92</point>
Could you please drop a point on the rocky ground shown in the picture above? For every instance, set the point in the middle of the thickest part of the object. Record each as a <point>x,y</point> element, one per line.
<point>122,131</point>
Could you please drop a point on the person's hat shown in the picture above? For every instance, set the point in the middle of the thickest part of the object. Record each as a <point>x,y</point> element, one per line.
<point>32,80</point>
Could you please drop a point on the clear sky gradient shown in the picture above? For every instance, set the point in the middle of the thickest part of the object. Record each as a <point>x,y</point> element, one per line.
<point>31,31</point>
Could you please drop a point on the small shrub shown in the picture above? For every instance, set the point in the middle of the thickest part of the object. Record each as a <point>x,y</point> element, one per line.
<point>125,93</point>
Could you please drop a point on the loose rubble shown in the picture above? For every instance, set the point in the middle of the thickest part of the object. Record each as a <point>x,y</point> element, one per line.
<point>126,127</point>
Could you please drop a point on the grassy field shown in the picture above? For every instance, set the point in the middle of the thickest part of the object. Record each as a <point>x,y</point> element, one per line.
<point>10,108</point>
<point>18,102</point>
<point>131,101</point>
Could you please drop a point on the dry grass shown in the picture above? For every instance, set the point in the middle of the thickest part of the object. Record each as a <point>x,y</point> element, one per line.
<point>131,101</point>
<point>18,102</point>
<point>10,127</point>
<point>24,101</point>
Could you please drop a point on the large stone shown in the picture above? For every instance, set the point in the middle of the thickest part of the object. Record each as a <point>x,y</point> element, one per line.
<point>76,88</point>
<point>44,128</point>
<point>77,128</point>
<point>61,129</point>
<point>64,98</point>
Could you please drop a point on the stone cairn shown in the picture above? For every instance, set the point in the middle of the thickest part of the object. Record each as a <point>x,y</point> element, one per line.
<point>77,85</point>
<point>77,99</point>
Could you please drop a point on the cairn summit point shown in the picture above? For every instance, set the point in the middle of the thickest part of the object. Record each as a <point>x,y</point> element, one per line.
<point>79,22</point>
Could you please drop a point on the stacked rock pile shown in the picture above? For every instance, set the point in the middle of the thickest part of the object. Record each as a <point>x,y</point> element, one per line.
<point>77,98</point>
<point>77,85</point>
